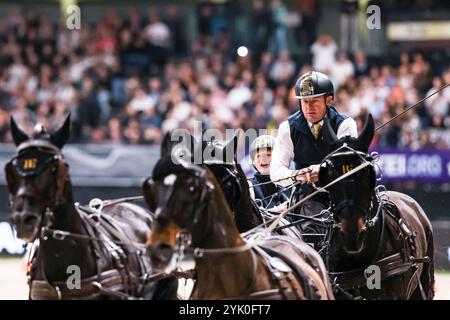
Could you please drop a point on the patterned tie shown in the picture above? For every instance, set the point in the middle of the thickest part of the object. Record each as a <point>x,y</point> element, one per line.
<point>316,130</point>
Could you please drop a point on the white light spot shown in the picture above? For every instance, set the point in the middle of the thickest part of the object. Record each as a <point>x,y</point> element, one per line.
<point>242,51</point>
<point>170,179</point>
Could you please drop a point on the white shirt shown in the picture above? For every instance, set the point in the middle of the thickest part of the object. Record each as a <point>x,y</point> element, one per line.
<point>283,152</point>
<point>238,96</point>
<point>323,56</point>
<point>341,71</point>
<point>142,103</point>
<point>158,34</point>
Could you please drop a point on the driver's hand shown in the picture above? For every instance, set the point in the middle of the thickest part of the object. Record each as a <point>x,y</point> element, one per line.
<point>280,208</point>
<point>309,174</point>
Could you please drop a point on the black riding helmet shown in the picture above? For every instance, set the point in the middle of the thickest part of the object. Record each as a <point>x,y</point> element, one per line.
<point>313,84</point>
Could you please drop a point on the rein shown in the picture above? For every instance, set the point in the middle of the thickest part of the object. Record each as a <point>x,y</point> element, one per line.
<point>291,177</point>
<point>319,189</point>
<point>95,213</point>
<point>200,252</point>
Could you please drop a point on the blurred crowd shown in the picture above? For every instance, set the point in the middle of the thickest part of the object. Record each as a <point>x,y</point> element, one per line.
<point>127,79</point>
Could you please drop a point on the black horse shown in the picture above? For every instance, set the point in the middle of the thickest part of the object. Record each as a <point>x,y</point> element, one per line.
<point>192,215</point>
<point>375,235</point>
<point>103,249</point>
<point>222,161</point>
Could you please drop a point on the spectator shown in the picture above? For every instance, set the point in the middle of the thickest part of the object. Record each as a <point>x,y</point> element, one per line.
<point>133,21</point>
<point>176,24</point>
<point>260,27</point>
<point>117,93</point>
<point>4,125</point>
<point>349,25</point>
<point>309,12</point>
<point>115,131</point>
<point>158,37</point>
<point>205,11</point>
<point>343,69</point>
<point>438,105</point>
<point>238,95</point>
<point>361,66</point>
<point>141,101</point>
<point>278,42</point>
<point>283,68</point>
<point>324,52</point>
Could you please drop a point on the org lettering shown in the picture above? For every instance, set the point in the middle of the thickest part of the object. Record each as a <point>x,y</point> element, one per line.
<point>424,166</point>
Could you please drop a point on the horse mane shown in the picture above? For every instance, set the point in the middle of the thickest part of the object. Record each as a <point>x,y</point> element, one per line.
<point>250,219</point>
<point>245,215</point>
<point>219,210</point>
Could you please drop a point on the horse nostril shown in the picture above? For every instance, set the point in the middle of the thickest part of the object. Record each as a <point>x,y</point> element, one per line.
<point>162,220</point>
<point>30,220</point>
<point>161,253</point>
<point>361,235</point>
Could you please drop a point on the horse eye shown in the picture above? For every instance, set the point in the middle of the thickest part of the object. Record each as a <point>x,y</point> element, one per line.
<point>191,188</point>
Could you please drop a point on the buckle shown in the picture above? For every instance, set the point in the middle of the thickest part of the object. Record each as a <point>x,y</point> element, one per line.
<point>59,235</point>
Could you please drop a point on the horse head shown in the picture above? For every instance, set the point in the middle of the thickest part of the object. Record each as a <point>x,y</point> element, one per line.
<point>186,199</point>
<point>221,160</point>
<point>36,177</point>
<point>351,198</point>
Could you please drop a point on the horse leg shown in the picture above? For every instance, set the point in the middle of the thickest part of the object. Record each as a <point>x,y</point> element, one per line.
<point>166,289</point>
<point>427,275</point>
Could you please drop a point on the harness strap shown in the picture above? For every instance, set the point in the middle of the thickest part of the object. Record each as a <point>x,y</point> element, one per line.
<point>271,294</point>
<point>288,282</point>
<point>390,266</point>
<point>110,281</point>
<point>103,283</point>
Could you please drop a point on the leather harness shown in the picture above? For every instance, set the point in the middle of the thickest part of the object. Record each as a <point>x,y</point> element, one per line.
<point>118,282</point>
<point>392,265</point>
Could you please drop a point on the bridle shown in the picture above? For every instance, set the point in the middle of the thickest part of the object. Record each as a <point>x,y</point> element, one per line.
<point>30,170</point>
<point>183,243</point>
<point>109,239</point>
<point>370,216</point>
<point>231,174</point>
<point>376,214</point>
<point>44,147</point>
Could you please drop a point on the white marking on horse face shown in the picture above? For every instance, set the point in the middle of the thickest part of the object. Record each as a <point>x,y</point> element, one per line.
<point>38,128</point>
<point>170,179</point>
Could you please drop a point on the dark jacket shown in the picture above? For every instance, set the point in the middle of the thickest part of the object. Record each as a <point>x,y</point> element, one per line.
<point>264,192</point>
<point>308,150</point>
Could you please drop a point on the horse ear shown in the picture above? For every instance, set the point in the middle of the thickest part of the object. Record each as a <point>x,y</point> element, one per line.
<point>18,134</point>
<point>149,197</point>
<point>366,136</point>
<point>60,136</point>
<point>231,146</point>
<point>11,178</point>
<point>166,145</point>
<point>322,170</point>
<point>63,172</point>
<point>328,133</point>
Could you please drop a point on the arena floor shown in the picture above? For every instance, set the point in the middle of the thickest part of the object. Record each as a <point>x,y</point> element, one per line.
<point>13,282</point>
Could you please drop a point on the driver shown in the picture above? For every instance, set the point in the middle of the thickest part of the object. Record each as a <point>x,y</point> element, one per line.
<point>300,140</point>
